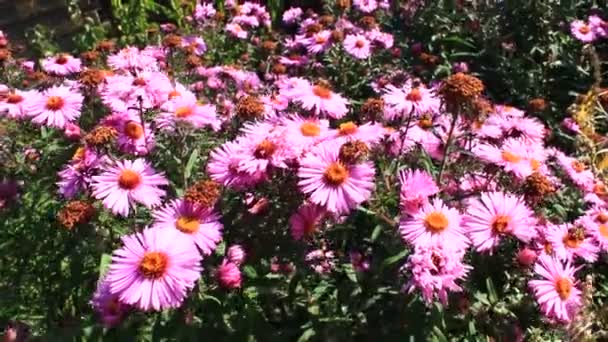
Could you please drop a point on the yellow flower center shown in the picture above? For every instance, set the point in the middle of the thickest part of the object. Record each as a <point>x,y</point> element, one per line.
<point>188,225</point>
<point>336,173</point>
<point>563,286</point>
<point>129,179</point>
<point>510,157</point>
<point>603,229</point>
<point>414,95</point>
<point>54,103</point>
<point>436,222</point>
<point>535,164</point>
<point>153,265</point>
<point>310,129</point>
<point>322,92</point>
<point>500,224</point>
<point>134,130</point>
<point>601,218</point>
<point>183,112</point>
<point>578,166</point>
<point>347,128</point>
<point>574,237</point>
<point>265,149</point>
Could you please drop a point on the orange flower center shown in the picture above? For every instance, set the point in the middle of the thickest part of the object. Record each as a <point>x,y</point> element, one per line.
<point>310,129</point>
<point>153,265</point>
<point>414,95</point>
<point>359,43</point>
<point>265,149</point>
<point>134,130</point>
<point>129,179</point>
<point>62,59</point>
<point>436,222</point>
<point>79,154</point>
<point>54,103</point>
<point>322,92</point>
<point>535,164</point>
<point>578,166</point>
<point>548,248</point>
<point>563,286</point>
<point>140,82</point>
<point>574,237</point>
<point>174,93</point>
<point>584,29</point>
<point>599,189</point>
<point>183,112</point>
<point>336,173</point>
<point>347,128</point>
<point>425,122</point>
<point>601,218</point>
<point>14,98</point>
<point>188,225</point>
<point>510,157</point>
<point>320,39</point>
<point>500,224</point>
<point>603,229</point>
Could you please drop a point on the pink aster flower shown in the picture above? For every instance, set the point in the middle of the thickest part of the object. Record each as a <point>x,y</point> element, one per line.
<point>204,11</point>
<point>13,104</point>
<point>582,31</point>
<point>595,222</point>
<point>435,271</point>
<point>54,107</point>
<point>110,310</point>
<point>357,46</point>
<point>236,254</point>
<point>369,132</point>
<point>196,44</point>
<point>292,15</point>
<point>571,240</point>
<point>331,183</point>
<point>408,100</point>
<point>599,26</point>
<point>365,6</point>
<point>61,65</point>
<point>303,133</point>
<point>229,275</point>
<point>154,269</point>
<point>76,175</point>
<point>306,221</point>
<point>200,224</point>
<point>319,42</point>
<point>126,182</point>
<point>186,109</point>
<point>322,100</point>
<point>133,137</point>
<point>322,261</point>
<point>236,31</point>
<point>556,293</point>
<point>223,167</point>
<point>434,224</point>
<point>263,149</point>
<point>495,215</point>
<point>416,188</point>
<point>131,58</point>
<point>514,155</point>
<point>578,172</point>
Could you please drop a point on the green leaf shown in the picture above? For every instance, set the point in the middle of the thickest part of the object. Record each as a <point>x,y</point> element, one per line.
<point>350,273</point>
<point>438,335</point>
<point>307,335</point>
<point>376,232</point>
<point>250,272</point>
<point>492,295</point>
<point>104,263</point>
<point>394,259</point>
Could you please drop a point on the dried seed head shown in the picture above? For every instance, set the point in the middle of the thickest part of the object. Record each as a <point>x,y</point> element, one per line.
<point>461,88</point>
<point>75,213</point>
<point>204,193</point>
<point>249,107</point>
<point>101,135</point>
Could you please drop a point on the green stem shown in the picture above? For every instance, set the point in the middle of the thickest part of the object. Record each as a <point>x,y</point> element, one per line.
<point>447,147</point>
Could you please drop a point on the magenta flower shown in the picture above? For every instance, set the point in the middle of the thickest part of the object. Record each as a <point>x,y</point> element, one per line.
<point>229,275</point>
<point>237,31</point>
<point>76,175</point>
<point>199,224</point>
<point>61,65</point>
<point>306,221</point>
<point>154,269</point>
<point>416,188</point>
<point>435,271</point>
<point>557,293</point>
<point>330,183</point>
<point>321,100</point>
<point>223,167</point>
<point>110,310</point>
<point>582,31</point>
<point>366,6</point>
<point>357,46</point>
<point>12,105</point>
<point>54,107</point>
<point>408,100</point>
<point>434,224</point>
<point>495,215</point>
<point>186,109</point>
<point>126,182</point>
<point>236,254</point>
<point>571,240</point>
<point>131,58</point>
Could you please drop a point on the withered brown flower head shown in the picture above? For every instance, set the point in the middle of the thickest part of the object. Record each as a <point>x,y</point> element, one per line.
<point>89,56</point>
<point>101,135</point>
<point>279,69</point>
<point>537,187</point>
<point>343,4</point>
<point>92,77</point>
<point>312,29</point>
<point>482,107</point>
<point>172,41</point>
<point>461,88</point>
<point>5,54</point>
<point>269,46</point>
<point>367,22</point>
<point>353,152</point>
<point>105,45</point>
<point>537,105</point>
<point>249,107</point>
<point>75,213</point>
<point>429,59</point>
<point>327,20</point>
<point>204,193</point>
<point>372,108</point>
<point>337,35</point>
<point>194,61</point>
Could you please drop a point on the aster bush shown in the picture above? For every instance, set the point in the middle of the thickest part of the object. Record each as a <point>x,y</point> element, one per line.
<point>368,170</point>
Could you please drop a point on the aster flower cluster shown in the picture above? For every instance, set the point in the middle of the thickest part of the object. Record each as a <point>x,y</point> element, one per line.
<point>588,31</point>
<point>191,156</point>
